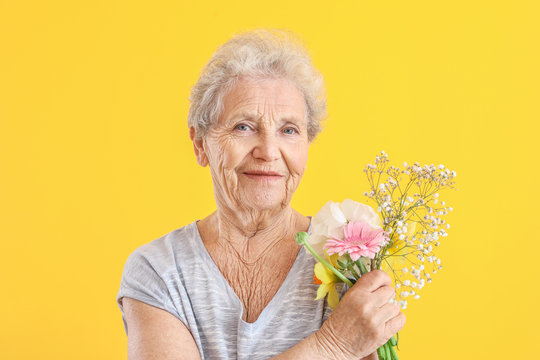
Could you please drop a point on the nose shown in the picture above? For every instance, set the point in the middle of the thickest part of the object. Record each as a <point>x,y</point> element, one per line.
<point>267,148</point>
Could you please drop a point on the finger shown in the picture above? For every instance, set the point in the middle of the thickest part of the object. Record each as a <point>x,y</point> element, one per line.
<point>373,280</point>
<point>387,312</point>
<point>382,295</point>
<point>394,325</point>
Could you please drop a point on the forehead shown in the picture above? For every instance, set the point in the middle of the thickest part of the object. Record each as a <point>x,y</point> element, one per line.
<point>266,97</point>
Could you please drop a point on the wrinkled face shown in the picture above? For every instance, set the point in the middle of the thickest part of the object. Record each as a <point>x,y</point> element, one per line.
<point>258,150</point>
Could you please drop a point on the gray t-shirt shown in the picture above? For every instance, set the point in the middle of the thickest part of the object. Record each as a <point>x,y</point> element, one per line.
<point>176,273</point>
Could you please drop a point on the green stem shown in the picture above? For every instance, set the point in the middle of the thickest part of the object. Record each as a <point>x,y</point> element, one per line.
<point>301,239</point>
<point>361,266</point>
<point>353,271</point>
<point>393,352</point>
<point>388,353</point>
<point>381,353</point>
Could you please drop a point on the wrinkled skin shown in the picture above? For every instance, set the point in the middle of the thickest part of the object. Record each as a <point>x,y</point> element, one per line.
<point>262,128</point>
<point>251,235</point>
<point>274,138</point>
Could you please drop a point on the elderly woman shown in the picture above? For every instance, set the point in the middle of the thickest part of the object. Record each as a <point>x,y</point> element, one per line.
<point>236,285</point>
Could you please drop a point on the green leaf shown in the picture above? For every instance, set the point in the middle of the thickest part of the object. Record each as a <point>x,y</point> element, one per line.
<point>343,265</point>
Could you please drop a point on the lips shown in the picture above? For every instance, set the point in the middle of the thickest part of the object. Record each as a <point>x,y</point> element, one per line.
<point>262,175</point>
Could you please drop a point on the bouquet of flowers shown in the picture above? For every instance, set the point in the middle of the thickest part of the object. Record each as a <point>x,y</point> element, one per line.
<point>350,239</point>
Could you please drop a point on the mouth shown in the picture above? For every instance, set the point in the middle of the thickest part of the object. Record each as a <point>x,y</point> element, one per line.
<point>263,175</point>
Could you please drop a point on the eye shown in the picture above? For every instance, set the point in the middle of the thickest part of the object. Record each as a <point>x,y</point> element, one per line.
<point>242,127</point>
<point>290,131</point>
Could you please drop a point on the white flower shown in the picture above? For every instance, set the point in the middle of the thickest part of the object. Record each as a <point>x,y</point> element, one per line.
<point>332,218</point>
<point>403,304</point>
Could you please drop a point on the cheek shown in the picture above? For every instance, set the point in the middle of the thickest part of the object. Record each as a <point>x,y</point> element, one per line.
<point>233,154</point>
<point>228,153</point>
<point>297,160</point>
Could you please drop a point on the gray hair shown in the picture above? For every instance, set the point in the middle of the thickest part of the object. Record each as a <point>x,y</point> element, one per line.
<point>257,54</point>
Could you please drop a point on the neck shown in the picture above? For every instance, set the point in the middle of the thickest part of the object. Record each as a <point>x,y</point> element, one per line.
<point>251,236</point>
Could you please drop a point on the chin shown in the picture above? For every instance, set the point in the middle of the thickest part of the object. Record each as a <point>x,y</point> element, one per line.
<point>264,202</point>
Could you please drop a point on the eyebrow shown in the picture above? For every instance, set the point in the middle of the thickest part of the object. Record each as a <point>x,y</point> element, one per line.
<point>251,115</point>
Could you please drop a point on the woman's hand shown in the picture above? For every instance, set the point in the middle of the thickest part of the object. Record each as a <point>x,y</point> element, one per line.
<point>363,321</point>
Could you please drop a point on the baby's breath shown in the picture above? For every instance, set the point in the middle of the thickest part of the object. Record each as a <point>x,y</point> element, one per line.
<point>408,199</point>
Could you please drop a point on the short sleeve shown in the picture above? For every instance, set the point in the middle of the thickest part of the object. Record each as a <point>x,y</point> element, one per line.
<point>141,281</point>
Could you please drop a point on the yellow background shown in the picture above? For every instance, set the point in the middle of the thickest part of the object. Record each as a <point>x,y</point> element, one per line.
<point>95,158</point>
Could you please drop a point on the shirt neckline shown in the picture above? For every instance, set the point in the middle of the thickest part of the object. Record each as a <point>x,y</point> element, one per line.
<point>269,308</point>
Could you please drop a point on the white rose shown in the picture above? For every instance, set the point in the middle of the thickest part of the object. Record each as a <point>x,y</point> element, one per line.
<point>331,219</point>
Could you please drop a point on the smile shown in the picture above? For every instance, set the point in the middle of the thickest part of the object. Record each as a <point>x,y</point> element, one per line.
<point>263,176</point>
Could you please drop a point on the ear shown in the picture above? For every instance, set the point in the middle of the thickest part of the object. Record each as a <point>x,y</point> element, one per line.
<point>198,147</point>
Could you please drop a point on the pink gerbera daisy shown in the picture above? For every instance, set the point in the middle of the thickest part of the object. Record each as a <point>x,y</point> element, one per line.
<point>360,239</point>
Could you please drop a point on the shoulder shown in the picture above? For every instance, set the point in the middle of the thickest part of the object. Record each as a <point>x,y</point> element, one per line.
<point>158,268</point>
<point>164,252</point>
<point>152,272</point>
